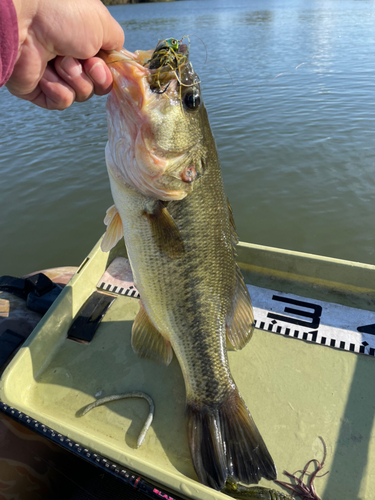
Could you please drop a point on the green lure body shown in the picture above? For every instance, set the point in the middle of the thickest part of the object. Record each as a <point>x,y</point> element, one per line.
<point>240,492</point>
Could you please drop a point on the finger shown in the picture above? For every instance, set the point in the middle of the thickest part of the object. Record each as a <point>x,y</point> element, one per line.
<point>71,71</point>
<point>27,71</point>
<point>99,74</point>
<point>55,92</point>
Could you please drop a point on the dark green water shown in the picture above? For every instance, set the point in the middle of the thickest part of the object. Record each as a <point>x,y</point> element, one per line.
<point>295,132</point>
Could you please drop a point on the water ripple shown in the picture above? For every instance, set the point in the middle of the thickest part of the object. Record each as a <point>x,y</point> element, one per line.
<point>295,132</point>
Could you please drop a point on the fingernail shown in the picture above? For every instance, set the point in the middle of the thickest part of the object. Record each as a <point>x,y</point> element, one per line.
<point>98,73</point>
<point>71,66</point>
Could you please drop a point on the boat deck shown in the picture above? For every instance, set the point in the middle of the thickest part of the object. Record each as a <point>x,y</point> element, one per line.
<point>296,390</point>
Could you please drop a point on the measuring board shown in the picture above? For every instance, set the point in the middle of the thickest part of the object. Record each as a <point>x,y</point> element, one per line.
<point>118,279</point>
<point>323,323</point>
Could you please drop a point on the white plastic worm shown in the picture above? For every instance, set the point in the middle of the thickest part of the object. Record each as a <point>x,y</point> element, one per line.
<point>134,394</point>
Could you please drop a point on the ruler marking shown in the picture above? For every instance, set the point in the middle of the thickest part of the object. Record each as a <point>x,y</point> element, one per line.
<point>327,324</point>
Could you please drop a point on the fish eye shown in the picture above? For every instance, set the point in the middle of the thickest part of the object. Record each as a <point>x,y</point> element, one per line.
<point>192,99</point>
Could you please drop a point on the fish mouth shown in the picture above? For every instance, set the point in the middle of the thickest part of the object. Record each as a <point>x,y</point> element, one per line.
<point>137,157</point>
<point>129,74</point>
<point>150,72</point>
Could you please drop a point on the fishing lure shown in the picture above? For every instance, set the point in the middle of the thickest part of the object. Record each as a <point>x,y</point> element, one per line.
<point>168,57</point>
<point>172,43</point>
<point>167,53</point>
<point>303,490</point>
<point>240,492</point>
<point>134,394</point>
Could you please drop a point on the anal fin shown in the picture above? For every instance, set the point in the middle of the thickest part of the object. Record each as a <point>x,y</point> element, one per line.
<point>148,342</point>
<point>240,320</point>
<point>114,231</point>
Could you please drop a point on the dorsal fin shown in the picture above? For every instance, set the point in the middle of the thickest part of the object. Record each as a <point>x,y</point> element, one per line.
<point>240,320</point>
<point>114,229</point>
<point>148,342</point>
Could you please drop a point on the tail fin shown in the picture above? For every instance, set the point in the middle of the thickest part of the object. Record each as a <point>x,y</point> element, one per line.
<point>225,442</point>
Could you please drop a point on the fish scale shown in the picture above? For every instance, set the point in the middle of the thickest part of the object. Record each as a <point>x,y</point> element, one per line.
<point>179,234</point>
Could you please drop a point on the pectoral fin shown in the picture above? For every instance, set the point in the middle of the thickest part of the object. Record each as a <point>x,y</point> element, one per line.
<point>148,342</point>
<point>164,228</point>
<point>240,320</point>
<point>114,229</point>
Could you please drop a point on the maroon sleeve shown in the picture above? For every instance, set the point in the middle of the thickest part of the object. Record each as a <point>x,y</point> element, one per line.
<point>8,39</point>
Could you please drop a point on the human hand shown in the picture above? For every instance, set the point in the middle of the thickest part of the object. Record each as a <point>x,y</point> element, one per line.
<point>58,40</point>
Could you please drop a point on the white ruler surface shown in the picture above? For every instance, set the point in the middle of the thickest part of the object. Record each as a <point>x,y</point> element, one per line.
<point>317,321</point>
<point>323,323</point>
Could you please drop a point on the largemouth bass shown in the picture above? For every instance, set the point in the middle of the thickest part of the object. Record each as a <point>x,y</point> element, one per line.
<point>170,206</point>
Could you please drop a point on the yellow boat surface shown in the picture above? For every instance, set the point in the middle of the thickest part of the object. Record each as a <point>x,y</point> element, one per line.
<point>297,390</point>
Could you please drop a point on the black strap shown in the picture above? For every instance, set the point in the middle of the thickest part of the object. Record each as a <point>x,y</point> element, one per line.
<point>38,290</point>
<point>9,341</point>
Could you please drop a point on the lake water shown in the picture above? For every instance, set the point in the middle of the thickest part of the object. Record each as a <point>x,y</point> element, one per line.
<point>295,132</point>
